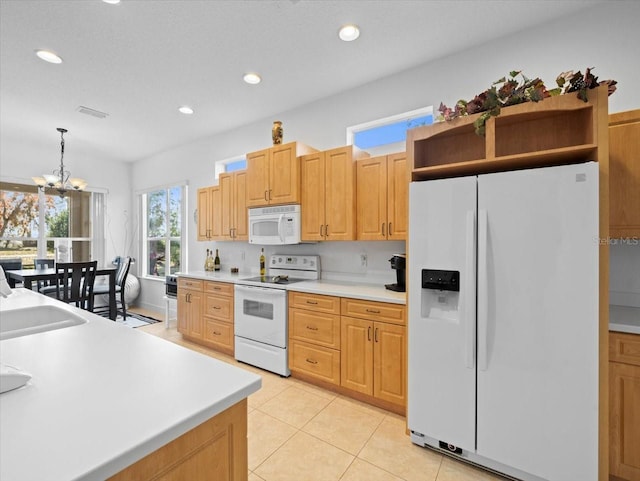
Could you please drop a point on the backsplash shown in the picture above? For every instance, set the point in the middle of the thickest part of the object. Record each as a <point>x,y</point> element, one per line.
<point>359,261</point>
<point>624,274</point>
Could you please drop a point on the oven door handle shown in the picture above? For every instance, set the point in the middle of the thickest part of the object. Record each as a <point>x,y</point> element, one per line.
<point>260,291</point>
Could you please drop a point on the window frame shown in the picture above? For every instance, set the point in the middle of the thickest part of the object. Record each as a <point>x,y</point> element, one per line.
<point>220,166</point>
<point>144,239</point>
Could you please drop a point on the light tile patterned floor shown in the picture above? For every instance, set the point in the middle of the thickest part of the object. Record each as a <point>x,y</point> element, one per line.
<point>298,432</point>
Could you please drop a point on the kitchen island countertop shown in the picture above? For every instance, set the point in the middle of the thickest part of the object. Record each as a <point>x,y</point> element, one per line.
<point>328,287</point>
<point>102,396</point>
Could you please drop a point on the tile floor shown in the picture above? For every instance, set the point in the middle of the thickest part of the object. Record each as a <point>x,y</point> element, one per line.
<point>298,432</point>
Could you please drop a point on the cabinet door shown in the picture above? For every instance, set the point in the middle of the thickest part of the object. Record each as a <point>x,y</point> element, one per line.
<point>624,421</point>
<point>389,361</point>
<point>258,178</point>
<point>312,196</point>
<point>240,214</point>
<point>371,192</point>
<point>284,175</point>
<point>225,182</point>
<point>340,194</point>
<point>624,174</point>
<point>356,356</point>
<point>183,312</point>
<point>195,314</point>
<point>397,196</point>
<point>203,214</point>
<point>215,213</point>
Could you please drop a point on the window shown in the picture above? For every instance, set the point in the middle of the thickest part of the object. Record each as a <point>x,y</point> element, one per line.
<point>388,135</point>
<point>230,165</point>
<point>68,233</point>
<point>164,230</point>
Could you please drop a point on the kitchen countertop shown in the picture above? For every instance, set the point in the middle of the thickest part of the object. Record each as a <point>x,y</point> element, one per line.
<point>102,396</point>
<point>624,319</point>
<point>356,290</point>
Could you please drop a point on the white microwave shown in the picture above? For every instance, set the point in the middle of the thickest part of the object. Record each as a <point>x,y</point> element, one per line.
<point>277,225</point>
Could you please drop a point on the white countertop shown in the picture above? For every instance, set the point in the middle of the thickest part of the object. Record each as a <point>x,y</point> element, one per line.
<point>356,290</point>
<point>102,396</point>
<point>624,319</point>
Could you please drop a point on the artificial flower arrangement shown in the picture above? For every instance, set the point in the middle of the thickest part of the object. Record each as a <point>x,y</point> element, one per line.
<point>509,91</point>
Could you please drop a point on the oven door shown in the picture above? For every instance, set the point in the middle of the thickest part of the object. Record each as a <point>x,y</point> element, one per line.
<point>261,314</point>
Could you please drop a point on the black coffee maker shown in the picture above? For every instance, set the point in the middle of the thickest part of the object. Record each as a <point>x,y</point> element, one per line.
<point>398,262</point>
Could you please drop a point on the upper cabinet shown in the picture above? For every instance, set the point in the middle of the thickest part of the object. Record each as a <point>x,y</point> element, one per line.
<point>209,218</point>
<point>328,194</point>
<point>233,206</point>
<point>558,130</point>
<point>382,198</point>
<point>273,175</point>
<point>624,174</point>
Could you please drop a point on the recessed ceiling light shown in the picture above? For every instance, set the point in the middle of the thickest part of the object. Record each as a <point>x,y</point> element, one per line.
<point>348,33</point>
<point>185,110</point>
<point>48,56</point>
<point>112,2</point>
<point>252,78</point>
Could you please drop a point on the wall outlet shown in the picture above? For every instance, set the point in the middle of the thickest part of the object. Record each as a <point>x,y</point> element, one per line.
<point>363,260</point>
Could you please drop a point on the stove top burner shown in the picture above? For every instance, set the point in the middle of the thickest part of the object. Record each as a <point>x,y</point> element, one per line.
<point>274,279</point>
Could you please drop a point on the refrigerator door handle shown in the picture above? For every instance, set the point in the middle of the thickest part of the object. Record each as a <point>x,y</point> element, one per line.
<point>470,289</point>
<point>483,290</point>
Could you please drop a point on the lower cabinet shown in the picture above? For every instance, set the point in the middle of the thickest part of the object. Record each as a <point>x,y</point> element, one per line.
<point>205,313</point>
<point>624,406</point>
<point>354,347</point>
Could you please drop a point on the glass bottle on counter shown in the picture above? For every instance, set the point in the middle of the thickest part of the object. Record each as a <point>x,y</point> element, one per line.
<point>206,261</point>
<point>216,262</point>
<point>263,271</point>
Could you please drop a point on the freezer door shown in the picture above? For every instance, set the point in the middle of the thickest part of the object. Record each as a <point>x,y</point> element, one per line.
<point>441,324</point>
<point>538,320</point>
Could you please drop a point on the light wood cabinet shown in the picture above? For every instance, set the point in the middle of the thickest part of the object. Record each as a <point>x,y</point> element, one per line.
<point>373,350</point>
<point>314,337</point>
<point>216,449</point>
<point>233,206</point>
<point>624,174</point>
<point>273,175</point>
<point>190,301</point>
<point>624,406</point>
<point>209,213</point>
<point>382,198</point>
<point>328,197</point>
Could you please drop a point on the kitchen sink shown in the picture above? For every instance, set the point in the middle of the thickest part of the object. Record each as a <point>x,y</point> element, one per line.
<point>31,320</point>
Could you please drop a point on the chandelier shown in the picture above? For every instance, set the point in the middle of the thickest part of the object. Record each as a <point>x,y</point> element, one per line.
<point>59,179</point>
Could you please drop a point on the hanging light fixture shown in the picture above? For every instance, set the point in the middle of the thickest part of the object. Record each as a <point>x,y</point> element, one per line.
<point>59,179</point>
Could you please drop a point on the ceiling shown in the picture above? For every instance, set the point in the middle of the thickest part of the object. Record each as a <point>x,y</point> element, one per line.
<point>140,60</point>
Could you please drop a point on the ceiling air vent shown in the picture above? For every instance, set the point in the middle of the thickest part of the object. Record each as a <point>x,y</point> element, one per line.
<point>92,112</point>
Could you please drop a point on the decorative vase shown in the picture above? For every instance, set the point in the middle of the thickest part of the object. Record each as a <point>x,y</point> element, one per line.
<point>277,132</point>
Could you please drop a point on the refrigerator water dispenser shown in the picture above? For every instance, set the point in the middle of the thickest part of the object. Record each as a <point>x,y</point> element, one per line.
<point>440,295</point>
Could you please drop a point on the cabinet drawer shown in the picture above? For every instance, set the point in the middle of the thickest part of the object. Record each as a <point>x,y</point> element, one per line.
<point>219,307</point>
<point>320,362</point>
<point>188,283</point>
<point>314,302</point>
<point>377,311</point>
<point>218,333</point>
<point>624,348</point>
<point>315,327</point>
<point>219,288</point>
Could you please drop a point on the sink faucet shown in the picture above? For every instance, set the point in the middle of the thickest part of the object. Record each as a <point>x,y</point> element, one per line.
<point>5,289</point>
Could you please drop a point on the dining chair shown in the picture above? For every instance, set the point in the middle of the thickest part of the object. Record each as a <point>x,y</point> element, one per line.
<point>121,279</point>
<point>11,264</point>
<point>75,283</point>
<point>44,264</point>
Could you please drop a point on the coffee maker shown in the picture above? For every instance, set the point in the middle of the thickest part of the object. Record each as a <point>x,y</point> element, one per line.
<point>398,262</point>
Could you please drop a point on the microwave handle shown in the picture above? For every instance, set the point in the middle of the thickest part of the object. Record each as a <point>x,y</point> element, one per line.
<point>280,228</point>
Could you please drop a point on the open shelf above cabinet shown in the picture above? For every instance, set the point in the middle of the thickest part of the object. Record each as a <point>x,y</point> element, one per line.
<point>557,130</point>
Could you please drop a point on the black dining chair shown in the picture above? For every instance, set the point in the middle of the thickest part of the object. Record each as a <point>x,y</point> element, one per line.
<point>44,264</point>
<point>121,278</point>
<point>11,264</point>
<point>75,283</point>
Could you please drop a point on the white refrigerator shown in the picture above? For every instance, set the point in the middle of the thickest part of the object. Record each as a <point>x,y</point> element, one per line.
<point>503,320</point>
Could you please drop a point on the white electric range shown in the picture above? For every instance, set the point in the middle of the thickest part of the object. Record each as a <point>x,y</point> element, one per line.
<point>260,317</point>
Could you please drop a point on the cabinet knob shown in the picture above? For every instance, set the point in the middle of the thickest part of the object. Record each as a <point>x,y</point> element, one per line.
<point>216,333</point>
<point>390,230</point>
<point>312,328</point>
<point>216,307</point>
<point>373,311</point>
<point>312,302</point>
<point>375,335</point>
<point>383,231</point>
<point>369,333</point>
<point>311,361</point>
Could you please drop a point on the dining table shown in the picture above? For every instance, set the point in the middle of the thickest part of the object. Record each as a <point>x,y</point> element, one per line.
<point>28,276</point>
